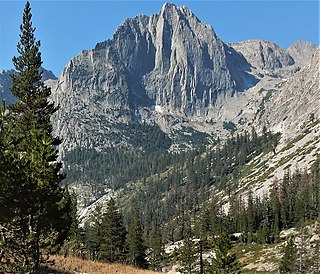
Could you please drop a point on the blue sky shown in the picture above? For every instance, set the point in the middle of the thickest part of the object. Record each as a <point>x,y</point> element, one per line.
<point>67,27</point>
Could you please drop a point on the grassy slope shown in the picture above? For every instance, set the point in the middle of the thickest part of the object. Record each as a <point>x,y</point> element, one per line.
<point>70,265</point>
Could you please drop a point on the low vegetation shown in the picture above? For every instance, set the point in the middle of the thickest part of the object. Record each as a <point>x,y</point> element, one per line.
<point>72,265</point>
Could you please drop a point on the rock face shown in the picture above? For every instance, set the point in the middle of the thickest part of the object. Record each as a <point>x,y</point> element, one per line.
<point>170,69</point>
<point>302,52</point>
<point>173,70</point>
<point>170,59</point>
<point>5,85</point>
<point>297,101</point>
<point>168,63</point>
<point>263,54</point>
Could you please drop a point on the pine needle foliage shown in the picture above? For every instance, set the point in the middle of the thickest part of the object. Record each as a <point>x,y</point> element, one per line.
<point>113,235</point>
<point>136,249</point>
<point>288,260</point>
<point>36,209</point>
<point>224,261</point>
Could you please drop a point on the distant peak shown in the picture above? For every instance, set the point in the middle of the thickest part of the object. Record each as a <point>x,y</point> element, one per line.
<point>301,43</point>
<point>170,8</point>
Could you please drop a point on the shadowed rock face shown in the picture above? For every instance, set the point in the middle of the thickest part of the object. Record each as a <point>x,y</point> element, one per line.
<point>172,70</point>
<point>168,68</point>
<point>5,85</point>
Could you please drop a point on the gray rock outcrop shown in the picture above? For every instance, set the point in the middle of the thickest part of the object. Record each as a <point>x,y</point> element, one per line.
<point>168,63</point>
<point>297,102</point>
<point>302,52</point>
<point>263,54</point>
<point>170,59</point>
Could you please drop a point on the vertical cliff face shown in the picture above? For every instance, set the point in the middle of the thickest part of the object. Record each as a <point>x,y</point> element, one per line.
<point>190,68</point>
<point>302,52</point>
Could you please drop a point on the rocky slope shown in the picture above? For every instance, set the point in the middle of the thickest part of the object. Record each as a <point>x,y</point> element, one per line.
<point>297,100</point>
<point>264,55</point>
<point>172,70</point>
<point>301,52</point>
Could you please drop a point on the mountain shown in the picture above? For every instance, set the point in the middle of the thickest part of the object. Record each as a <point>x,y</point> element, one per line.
<point>171,71</point>
<point>166,83</point>
<point>194,133</point>
<point>297,101</point>
<point>6,82</point>
<point>168,68</point>
<point>301,52</point>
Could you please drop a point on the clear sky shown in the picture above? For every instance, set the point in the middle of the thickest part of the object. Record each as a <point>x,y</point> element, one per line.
<point>67,27</point>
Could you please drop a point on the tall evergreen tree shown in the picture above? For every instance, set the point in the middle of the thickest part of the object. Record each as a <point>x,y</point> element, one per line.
<point>288,260</point>
<point>224,262</point>
<point>33,107</point>
<point>113,235</point>
<point>136,250</point>
<point>187,253</point>
<point>74,242</point>
<point>93,233</point>
<point>156,247</point>
<point>37,218</point>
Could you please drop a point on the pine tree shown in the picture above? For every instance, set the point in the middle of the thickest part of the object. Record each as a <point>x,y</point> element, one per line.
<point>203,227</point>
<point>33,107</point>
<point>187,253</point>
<point>224,262</point>
<point>136,250</point>
<point>113,235</point>
<point>74,242</point>
<point>37,218</point>
<point>288,260</point>
<point>93,233</point>
<point>156,246</point>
